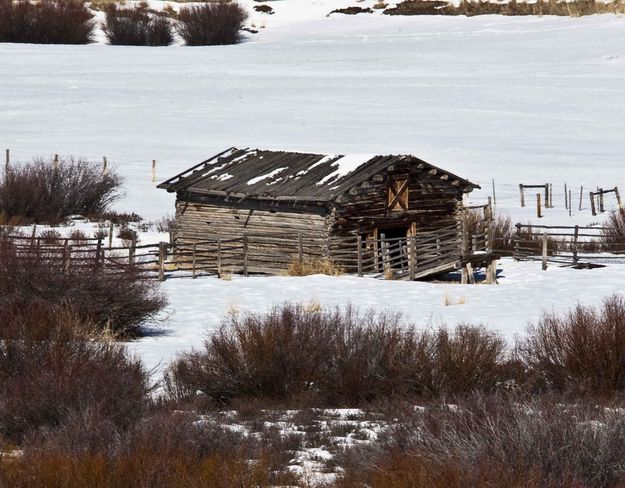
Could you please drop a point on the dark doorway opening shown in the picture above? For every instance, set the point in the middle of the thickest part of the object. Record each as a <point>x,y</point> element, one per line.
<point>394,247</point>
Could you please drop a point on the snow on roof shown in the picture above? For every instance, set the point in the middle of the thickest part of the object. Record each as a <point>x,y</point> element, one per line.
<point>257,179</point>
<point>345,165</point>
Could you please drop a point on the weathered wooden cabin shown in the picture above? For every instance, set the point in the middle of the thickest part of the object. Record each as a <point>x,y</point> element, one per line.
<point>262,210</point>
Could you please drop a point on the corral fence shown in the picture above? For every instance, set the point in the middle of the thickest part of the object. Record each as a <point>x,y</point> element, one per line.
<point>400,258</point>
<point>580,246</point>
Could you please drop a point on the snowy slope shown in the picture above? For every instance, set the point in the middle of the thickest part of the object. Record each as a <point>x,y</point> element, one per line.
<point>517,100</point>
<point>520,100</point>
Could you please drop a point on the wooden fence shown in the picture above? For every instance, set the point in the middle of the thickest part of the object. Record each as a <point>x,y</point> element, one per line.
<point>402,258</point>
<point>569,245</point>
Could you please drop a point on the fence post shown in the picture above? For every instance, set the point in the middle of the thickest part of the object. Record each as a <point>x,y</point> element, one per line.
<point>566,197</point>
<point>67,256</point>
<point>154,171</point>
<point>56,161</point>
<point>575,241</point>
<point>517,241</point>
<point>7,160</point>
<point>219,256</point>
<point>494,196</point>
<point>105,165</point>
<point>544,249</point>
<point>538,206</point>
<point>359,244</point>
<point>245,243</point>
<point>601,209</point>
<point>522,193</point>
<point>193,258</point>
<point>161,260</point>
<point>548,193</point>
<point>110,234</point>
<point>412,259</point>
<point>618,198</point>
<point>300,249</point>
<point>99,259</point>
<point>132,250</point>
<point>592,203</point>
<point>570,203</point>
<point>581,196</point>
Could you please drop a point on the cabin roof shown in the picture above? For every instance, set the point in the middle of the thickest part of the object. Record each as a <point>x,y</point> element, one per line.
<point>280,175</point>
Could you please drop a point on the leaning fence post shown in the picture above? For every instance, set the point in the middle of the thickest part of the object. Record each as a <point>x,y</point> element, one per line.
<point>544,249</point>
<point>538,206</point>
<point>592,203</point>
<point>161,260</point>
<point>359,251</point>
<point>245,254</point>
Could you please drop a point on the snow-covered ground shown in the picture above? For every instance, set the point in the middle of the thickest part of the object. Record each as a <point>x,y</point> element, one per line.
<point>514,100</point>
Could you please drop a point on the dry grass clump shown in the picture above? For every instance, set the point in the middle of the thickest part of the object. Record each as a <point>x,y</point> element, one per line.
<point>136,27</point>
<point>574,8</point>
<point>315,266</point>
<point>582,351</point>
<point>119,302</point>
<point>46,22</point>
<point>494,442</point>
<point>211,24</point>
<point>45,192</point>
<point>335,358</point>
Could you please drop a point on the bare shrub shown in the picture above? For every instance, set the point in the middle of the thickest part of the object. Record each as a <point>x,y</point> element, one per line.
<point>211,24</point>
<point>495,442</point>
<point>575,8</point>
<point>44,192</point>
<point>581,350</point>
<point>614,232</point>
<point>314,266</point>
<point>503,232</point>
<point>336,358</point>
<point>117,301</point>
<point>50,371</point>
<point>46,22</point>
<point>120,218</point>
<point>136,27</point>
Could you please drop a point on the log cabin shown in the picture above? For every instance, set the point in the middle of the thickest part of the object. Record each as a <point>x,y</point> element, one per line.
<point>366,213</point>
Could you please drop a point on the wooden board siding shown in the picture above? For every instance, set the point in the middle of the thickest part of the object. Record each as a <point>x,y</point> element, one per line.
<point>295,230</point>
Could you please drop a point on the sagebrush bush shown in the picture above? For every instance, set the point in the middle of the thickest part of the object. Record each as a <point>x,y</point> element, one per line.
<point>211,24</point>
<point>614,232</point>
<point>494,442</point>
<point>574,8</point>
<point>46,22</point>
<point>136,27</point>
<point>45,192</point>
<point>583,350</point>
<point>118,301</point>
<point>50,370</point>
<point>336,358</point>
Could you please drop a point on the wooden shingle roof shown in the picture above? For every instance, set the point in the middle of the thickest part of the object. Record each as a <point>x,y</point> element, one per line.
<point>279,175</point>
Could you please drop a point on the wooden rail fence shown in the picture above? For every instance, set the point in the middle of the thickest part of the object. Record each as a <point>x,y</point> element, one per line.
<point>569,245</point>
